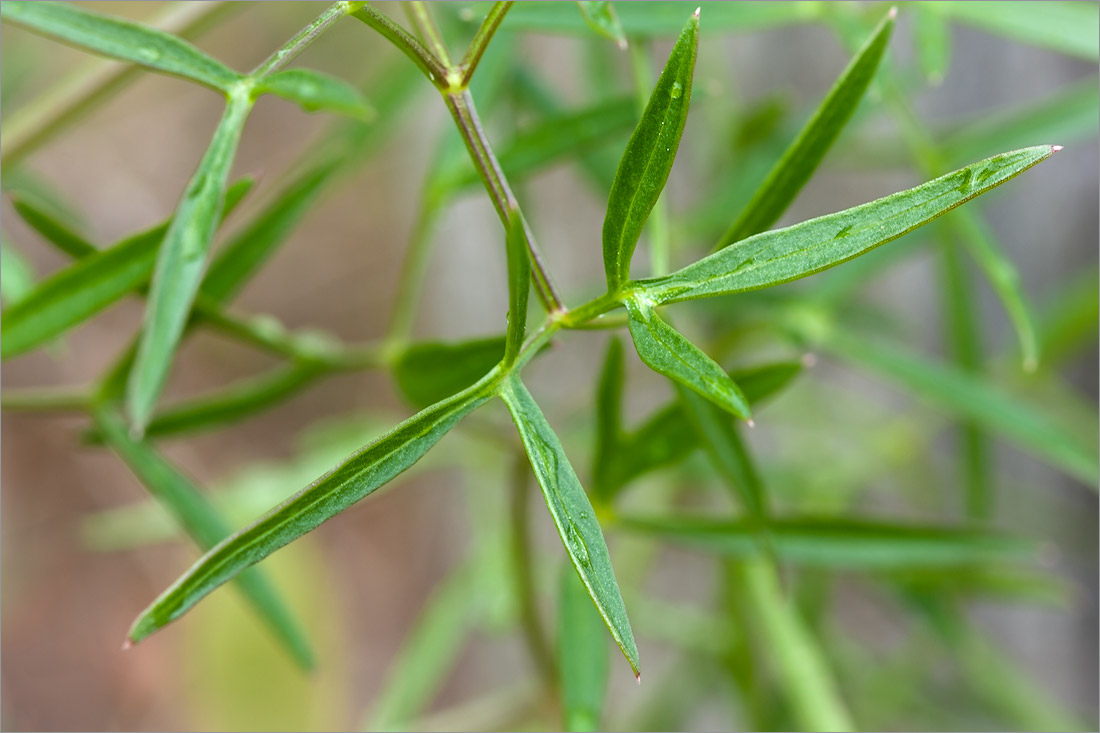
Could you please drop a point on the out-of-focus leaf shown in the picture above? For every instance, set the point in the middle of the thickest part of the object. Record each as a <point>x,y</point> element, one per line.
<point>1069,115</point>
<point>428,372</point>
<point>609,409</point>
<point>519,286</point>
<point>840,543</point>
<point>180,497</point>
<point>648,158</point>
<point>180,264</point>
<point>976,399</point>
<point>52,229</point>
<point>582,655</point>
<point>803,156</point>
<point>932,41</point>
<point>572,514</point>
<point>371,467</point>
<point>1005,584</point>
<point>1070,322</point>
<point>1065,27</point>
<point>428,653</point>
<point>663,18</point>
<point>119,39</point>
<point>782,255</point>
<point>86,287</point>
<point>602,18</point>
<point>16,274</point>
<point>667,352</point>
<point>315,91</point>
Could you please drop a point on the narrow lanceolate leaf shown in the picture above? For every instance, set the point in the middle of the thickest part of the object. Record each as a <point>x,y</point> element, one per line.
<point>180,264</point>
<point>601,17</point>
<point>315,91</point>
<point>803,156</point>
<point>16,275</point>
<point>52,229</point>
<point>669,437</point>
<point>86,287</point>
<point>667,352</point>
<point>782,255</point>
<point>582,655</point>
<point>609,410</point>
<point>648,158</point>
<point>366,470</point>
<point>976,399</point>
<point>1066,27</point>
<point>572,514</point>
<point>200,520</point>
<point>519,287</point>
<point>834,542</point>
<point>119,39</point>
<point>428,372</point>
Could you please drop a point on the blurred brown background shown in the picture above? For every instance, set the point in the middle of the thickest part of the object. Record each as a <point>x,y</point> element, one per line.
<point>362,578</point>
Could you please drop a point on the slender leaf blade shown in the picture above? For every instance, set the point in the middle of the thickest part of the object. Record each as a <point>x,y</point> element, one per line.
<point>665,350</point>
<point>361,474</point>
<point>783,255</point>
<point>802,158</point>
<point>180,264</point>
<point>428,372</point>
<point>602,18</point>
<point>314,91</point>
<point>582,655</point>
<point>519,286</point>
<point>16,274</point>
<point>119,39</point>
<point>52,229</point>
<point>648,157</point>
<point>201,521</point>
<point>572,514</point>
<point>609,409</point>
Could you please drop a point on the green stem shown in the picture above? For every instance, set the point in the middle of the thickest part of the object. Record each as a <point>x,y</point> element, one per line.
<point>45,400</point>
<point>424,59</point>
<point>286,53</point>
<point>481,40</point>
<point>429,33</point>
<point>76,96</point>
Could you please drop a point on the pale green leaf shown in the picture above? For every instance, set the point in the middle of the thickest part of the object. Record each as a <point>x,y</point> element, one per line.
<point>1066,27</point>
<point>664,18</point>
<point>16,274</point>
<point>582,655</point>
<point>315,91</point>
<point>602,18</point>
<point>932,41</point>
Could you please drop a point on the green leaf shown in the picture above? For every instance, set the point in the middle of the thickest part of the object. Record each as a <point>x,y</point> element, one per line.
<point>86,287</point>
<point>119,39</point>
<point>16,274</point>
<point>839,543</point>
<point>582,655</point>
<point>52,229</point>
<point>572,514</point>
<point>648,157</point>
<point>1066,27</point>
<point>668,436</point>
<point>315,91</point>
<point>601,17</point>
<point>429,372</point>
<point>609,409</point>
<point>230,404</point>
<point>519,287</point>
<point>804,155</point>
<point>1071,321</point>
<point>180,264</point>
<point>663,18</point>
<point>428,653</point>
<point>976,399</point>
<point>200,520</point>
<point>665,350</point>
<point>932,41</point>
<point>368,469</point>
<point>782,255</point>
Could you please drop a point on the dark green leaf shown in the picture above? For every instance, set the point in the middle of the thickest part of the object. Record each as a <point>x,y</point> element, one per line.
<point>782,255</point>
<point>87,287</point>
<point>572,514</point>
<point>975,398</point>
<point>519,286</point>
<point>315,91</point>
<point>648,157</point>
<point>51,228</point>
<point>667,352</point>
<point>200,520</point>
<point>16,274</point>
<point>119,39</point>
<point>180,264</point>
<point>364,471</point>
<point>429,372</point>
<point>609,408</point>
<point>803,156</point>
<point>582,655</point>
<point>1066,27</point>
<point>841,543</point>
<point>601,17</point>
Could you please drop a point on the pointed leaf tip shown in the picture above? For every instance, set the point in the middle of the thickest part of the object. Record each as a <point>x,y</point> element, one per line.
<point>1055,148</point>
<point>893,13</point>
<point>751,423</point>
<point>696,16</point>
<point>638,675</point>
<point>127,644</point>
